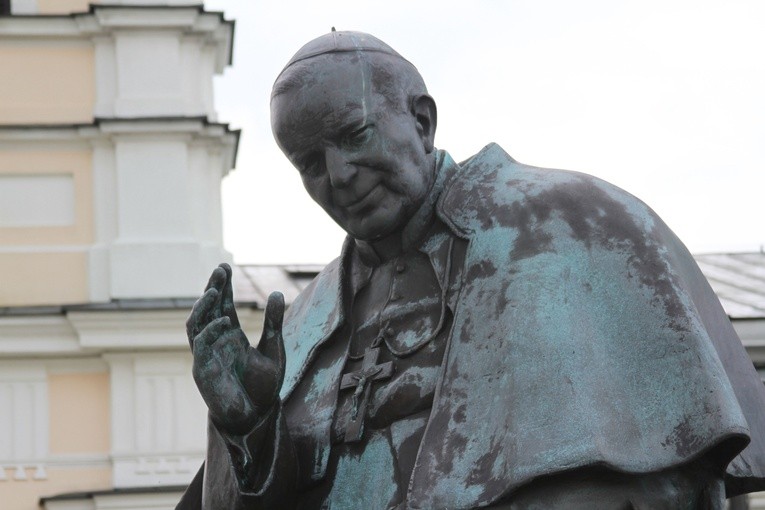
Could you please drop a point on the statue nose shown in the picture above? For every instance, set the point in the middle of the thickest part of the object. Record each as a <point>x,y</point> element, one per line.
<point>340,171</point>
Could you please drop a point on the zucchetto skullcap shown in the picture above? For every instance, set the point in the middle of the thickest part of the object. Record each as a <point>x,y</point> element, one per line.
<point>341,42</point>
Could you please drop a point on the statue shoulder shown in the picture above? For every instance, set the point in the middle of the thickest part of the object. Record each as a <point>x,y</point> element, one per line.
<point>493,189</point>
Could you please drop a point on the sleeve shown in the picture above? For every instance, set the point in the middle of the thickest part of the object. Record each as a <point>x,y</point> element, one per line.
<point>254,471</point>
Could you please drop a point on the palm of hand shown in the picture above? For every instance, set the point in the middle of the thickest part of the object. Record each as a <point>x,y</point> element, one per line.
<point>238,382</point>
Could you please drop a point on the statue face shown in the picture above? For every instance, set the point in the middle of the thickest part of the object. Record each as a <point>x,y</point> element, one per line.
<point>367,164</point>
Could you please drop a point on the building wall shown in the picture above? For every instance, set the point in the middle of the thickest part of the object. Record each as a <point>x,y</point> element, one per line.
<point>66,449</point>
<point>80,420</point>
<point>45,190</point>
<point>46,83</point>
<point>46,224</point>
<point>62,6</point>
<point>107,213</point>
<point>82,227</point>
<point>25,494</point>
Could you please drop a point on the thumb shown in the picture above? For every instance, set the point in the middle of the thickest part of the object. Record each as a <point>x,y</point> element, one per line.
<point>271,342</point>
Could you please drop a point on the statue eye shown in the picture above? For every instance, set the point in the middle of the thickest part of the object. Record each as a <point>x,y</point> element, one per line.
<point>357,138</point>
<point>312,166</point>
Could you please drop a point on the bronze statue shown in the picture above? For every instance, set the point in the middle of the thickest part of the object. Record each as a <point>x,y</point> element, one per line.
<point>493,335</point>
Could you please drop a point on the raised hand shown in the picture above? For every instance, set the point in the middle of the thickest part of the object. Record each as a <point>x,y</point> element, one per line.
<point>240,384</point>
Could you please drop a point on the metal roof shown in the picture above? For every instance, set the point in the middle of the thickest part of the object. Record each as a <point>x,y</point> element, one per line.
<point>738,279</point>
<point>253,283</point>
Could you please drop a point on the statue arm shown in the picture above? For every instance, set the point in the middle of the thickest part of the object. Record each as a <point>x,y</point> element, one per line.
<point>257,470</point>
<point>250,461</point>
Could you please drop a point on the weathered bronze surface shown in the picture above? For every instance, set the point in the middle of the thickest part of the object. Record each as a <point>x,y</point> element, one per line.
<point>493,335</point>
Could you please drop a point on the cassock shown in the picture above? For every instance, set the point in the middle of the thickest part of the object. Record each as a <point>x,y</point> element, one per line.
<point>556,326</point>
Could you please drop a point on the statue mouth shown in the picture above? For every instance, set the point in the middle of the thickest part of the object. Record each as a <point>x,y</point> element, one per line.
<point>356,204</point>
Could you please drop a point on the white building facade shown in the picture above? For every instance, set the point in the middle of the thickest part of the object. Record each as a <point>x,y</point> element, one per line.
<point>111,159</point>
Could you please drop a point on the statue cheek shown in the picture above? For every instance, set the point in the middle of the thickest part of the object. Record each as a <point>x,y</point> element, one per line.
<point>376,151</point>
<point>318,189</point>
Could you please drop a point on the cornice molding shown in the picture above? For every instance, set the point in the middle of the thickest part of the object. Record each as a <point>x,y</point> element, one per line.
<point>103,332</point>
<point>104,19</point>
<point>196,129</point>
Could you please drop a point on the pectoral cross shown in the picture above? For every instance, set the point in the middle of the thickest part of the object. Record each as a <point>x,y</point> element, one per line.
<point>361,380</point>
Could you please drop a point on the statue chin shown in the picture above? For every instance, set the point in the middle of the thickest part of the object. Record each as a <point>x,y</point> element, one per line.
<point>369,228</point>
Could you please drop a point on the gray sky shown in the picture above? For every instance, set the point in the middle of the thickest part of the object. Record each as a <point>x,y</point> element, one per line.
<point>664,98</point>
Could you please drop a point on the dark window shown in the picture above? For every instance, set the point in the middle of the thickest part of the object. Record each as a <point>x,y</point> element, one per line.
<point>5,7</point>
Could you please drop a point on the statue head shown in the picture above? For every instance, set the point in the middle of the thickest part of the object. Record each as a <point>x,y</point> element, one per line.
<point>355,119</point>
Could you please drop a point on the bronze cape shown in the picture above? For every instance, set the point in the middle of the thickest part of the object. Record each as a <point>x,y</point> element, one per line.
<point>584,335</point>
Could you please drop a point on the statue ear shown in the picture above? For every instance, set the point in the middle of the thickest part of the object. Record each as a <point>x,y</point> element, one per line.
<point>425,115</point>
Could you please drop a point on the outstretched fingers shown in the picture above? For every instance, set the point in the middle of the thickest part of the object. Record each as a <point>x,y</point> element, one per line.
<point>217,278</point>
<point>227,296</point>
<point>210,334</point>
<point>271,342</point>
<point>200,314</point>
<point>217,281</point>
<point>211,305</point>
